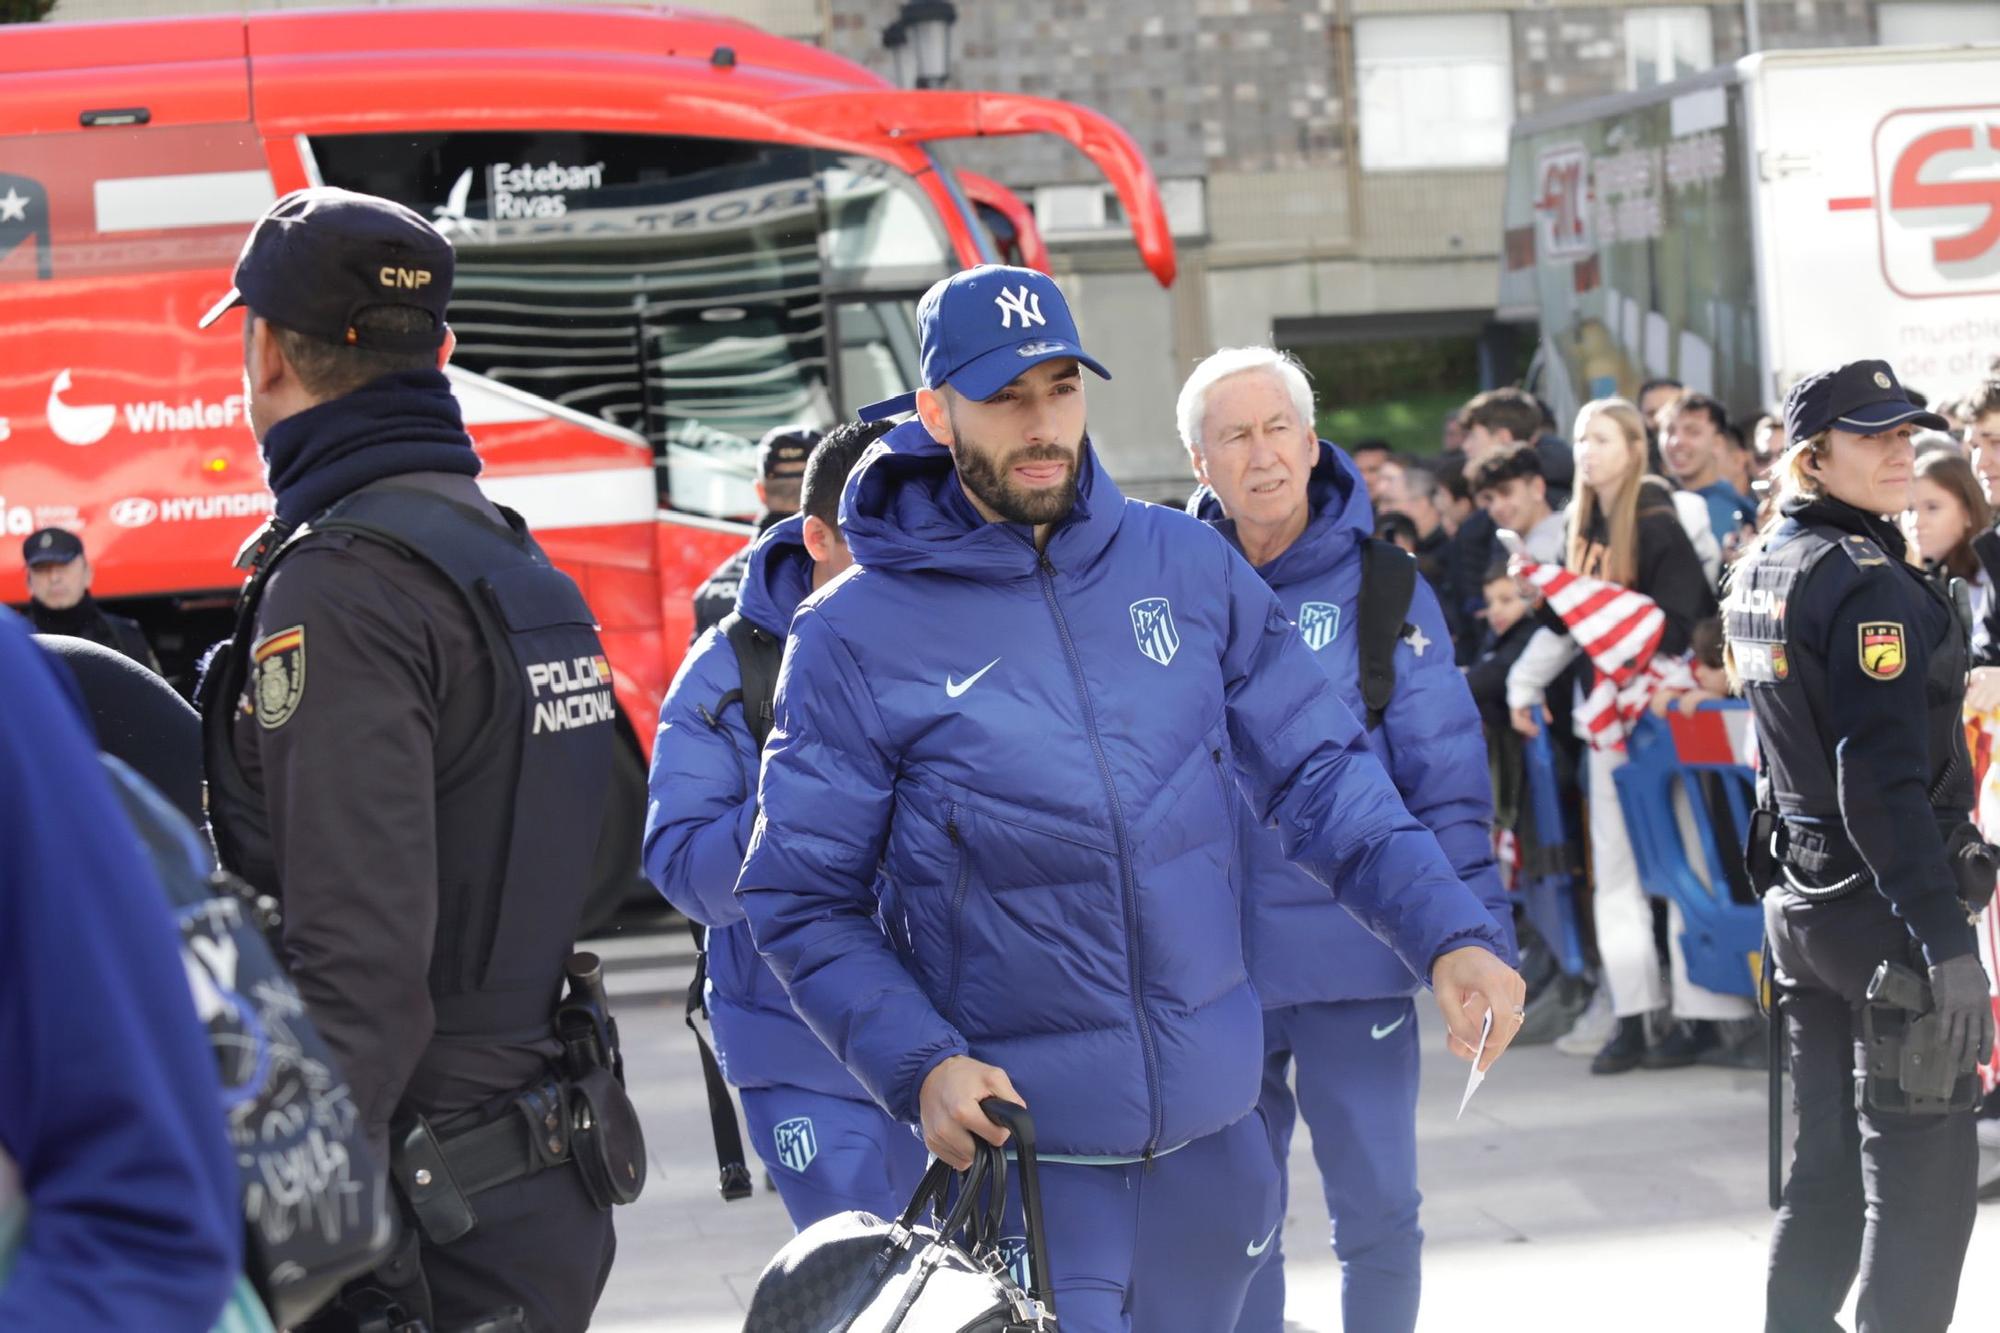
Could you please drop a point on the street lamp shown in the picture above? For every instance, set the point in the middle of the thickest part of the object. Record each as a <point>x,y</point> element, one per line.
<point>929,25</point>
<point>919,43</point>
<point>902,60</point>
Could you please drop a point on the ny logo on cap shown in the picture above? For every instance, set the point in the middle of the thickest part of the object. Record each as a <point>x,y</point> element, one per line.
<point>1022,302</point>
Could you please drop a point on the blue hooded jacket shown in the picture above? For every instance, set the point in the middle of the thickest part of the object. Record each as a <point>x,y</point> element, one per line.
<point>1429,741</point>
<point>703,801</point>
<point>1031,765</point>
<point>111,1111</point>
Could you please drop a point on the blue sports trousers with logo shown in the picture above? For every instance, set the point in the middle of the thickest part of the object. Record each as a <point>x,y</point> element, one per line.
<point>830,1154</point>
<point>1357,1088</point>
<point>1168,1247</point>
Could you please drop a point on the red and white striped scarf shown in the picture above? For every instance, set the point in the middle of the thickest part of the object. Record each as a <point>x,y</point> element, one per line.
<point>1619,631</point>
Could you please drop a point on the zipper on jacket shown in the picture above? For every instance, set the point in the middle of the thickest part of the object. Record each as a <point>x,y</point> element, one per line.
<point>1128,888</point>
<point>957,907</point>
<point>1229,812</point>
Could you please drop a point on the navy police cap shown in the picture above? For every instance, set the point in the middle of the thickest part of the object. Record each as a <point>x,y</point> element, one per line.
<point>51,546</point>
<point>320,256</point>
<point>1862,396</point>
<point>981,328</point>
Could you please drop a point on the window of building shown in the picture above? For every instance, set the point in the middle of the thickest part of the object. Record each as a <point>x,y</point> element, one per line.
<point>1435,90</point>
<point>1925,23</point>
<point>1662,45</point>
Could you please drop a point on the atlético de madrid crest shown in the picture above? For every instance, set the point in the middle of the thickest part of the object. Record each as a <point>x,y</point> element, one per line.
<point>1319,624</point>
<point>1153,625</point>
<point>278,675</point>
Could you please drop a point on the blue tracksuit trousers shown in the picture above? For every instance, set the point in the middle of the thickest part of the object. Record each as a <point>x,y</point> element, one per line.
<point>1168,1247</point>
<point>830,1154</point>
<point>1357,1088</point>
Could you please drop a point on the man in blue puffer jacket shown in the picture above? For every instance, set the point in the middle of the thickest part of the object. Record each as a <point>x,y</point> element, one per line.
<point>827,1146</point>
<point>1335,999</point>
<point>1018,730</point>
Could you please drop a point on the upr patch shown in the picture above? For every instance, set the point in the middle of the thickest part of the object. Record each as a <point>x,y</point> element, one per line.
<point>1882,653</point>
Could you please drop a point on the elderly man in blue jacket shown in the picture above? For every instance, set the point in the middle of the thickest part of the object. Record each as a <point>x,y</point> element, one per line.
<point>1336,999</point>
<point>1016,734</point>
<point>828,1147</point>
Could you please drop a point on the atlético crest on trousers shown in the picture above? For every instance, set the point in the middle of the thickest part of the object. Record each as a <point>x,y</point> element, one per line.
<point>796,1142</point>
<point>1153,625</point>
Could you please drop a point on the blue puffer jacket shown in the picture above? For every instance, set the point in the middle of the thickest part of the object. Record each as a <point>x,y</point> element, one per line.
<point>1301,948</point>
<point>703,788</point>
<point>1032,764</point>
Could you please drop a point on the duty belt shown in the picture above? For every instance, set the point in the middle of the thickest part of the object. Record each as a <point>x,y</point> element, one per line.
<point>439,1175</point>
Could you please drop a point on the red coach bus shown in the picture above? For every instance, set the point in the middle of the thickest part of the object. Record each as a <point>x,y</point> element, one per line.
<point>674,231</point>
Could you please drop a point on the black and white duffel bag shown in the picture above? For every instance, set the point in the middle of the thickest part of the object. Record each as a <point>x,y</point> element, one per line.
<point>855,1273</point>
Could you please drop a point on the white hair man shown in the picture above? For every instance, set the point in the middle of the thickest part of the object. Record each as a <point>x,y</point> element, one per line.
<point>1336,1000</point>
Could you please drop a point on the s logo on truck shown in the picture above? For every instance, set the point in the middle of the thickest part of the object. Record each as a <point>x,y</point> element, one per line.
<point>1938,212</point>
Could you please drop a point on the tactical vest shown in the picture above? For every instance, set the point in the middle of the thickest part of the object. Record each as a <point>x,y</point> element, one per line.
<point>517,817</point>
<point>1785,679</point>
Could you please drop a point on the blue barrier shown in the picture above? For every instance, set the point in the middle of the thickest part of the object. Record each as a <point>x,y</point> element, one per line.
<point>1723,938</point>
<point>1549,897</point>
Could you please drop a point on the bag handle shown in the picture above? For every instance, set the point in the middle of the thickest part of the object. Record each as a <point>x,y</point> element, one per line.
<point>1016,1120</point>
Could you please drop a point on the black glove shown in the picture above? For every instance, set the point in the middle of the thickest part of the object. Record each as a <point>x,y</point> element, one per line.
<point>1960,998</point>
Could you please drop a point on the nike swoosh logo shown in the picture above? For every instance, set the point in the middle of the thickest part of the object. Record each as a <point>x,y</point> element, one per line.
<point>954,688</point>
<point>1254,1250</point>
<point>1379,1033</point>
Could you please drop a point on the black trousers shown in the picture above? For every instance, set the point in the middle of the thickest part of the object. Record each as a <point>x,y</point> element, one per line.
<point>1882,1196</point>
<point>541,1244</point>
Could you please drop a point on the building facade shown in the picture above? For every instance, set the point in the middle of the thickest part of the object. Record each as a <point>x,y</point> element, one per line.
<point>1333,168</point>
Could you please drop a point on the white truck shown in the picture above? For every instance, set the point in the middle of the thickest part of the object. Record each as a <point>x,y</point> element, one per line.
<point>1741,228</point>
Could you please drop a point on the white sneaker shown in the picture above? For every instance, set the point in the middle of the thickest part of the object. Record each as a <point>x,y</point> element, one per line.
<point>1593,1027</point>
<point>1989,1158</point>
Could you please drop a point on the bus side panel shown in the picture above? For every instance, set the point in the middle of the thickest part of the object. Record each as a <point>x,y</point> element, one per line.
<point>688,554</point>
<point>1870,157</point>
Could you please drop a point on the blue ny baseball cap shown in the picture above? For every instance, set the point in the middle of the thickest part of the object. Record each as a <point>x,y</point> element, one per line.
<point>981,328</point>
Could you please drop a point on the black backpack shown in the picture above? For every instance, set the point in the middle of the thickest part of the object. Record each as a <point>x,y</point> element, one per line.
<point>758,656</point>
<point>1388,582</point>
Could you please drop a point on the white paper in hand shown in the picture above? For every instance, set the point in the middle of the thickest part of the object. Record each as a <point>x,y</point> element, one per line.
<point>1478,1075</point>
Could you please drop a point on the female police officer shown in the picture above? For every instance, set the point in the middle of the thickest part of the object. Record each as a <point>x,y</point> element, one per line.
<point>1854,666</point>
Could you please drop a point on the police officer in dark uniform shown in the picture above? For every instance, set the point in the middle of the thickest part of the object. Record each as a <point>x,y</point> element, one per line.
<point>781,472</point>
<point>59,600</point>
<point>1854,665</point>
<point>407,744</point>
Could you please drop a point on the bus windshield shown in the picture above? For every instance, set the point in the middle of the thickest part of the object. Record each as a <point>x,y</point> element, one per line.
<point>696,291</point>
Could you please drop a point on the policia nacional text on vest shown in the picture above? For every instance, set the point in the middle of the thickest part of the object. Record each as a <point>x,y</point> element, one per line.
<point>502,949</point>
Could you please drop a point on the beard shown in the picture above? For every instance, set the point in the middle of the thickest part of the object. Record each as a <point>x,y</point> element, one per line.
<point>988,478</point>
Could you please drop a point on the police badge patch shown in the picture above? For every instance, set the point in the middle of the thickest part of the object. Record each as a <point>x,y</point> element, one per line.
<point>278,665</point>
<point>1882,655</point>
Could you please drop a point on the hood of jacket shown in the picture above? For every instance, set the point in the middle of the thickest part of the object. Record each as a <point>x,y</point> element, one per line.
<point>778,577</point>
<point>1341,518</point>
<point>903,508</point>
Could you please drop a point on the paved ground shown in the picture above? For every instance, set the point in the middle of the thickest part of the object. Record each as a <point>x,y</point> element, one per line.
<point>1560,1202</point>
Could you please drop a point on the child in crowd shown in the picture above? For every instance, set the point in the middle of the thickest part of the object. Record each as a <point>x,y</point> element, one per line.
<point>1705,681</point>
<point>1508,630</point>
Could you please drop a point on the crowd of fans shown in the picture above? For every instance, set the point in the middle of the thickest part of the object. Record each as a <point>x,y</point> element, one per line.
<point>1658,496</point>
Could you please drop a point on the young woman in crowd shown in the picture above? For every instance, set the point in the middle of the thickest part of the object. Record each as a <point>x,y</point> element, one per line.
<point>1623,529</point>
<point>1946,512</point>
